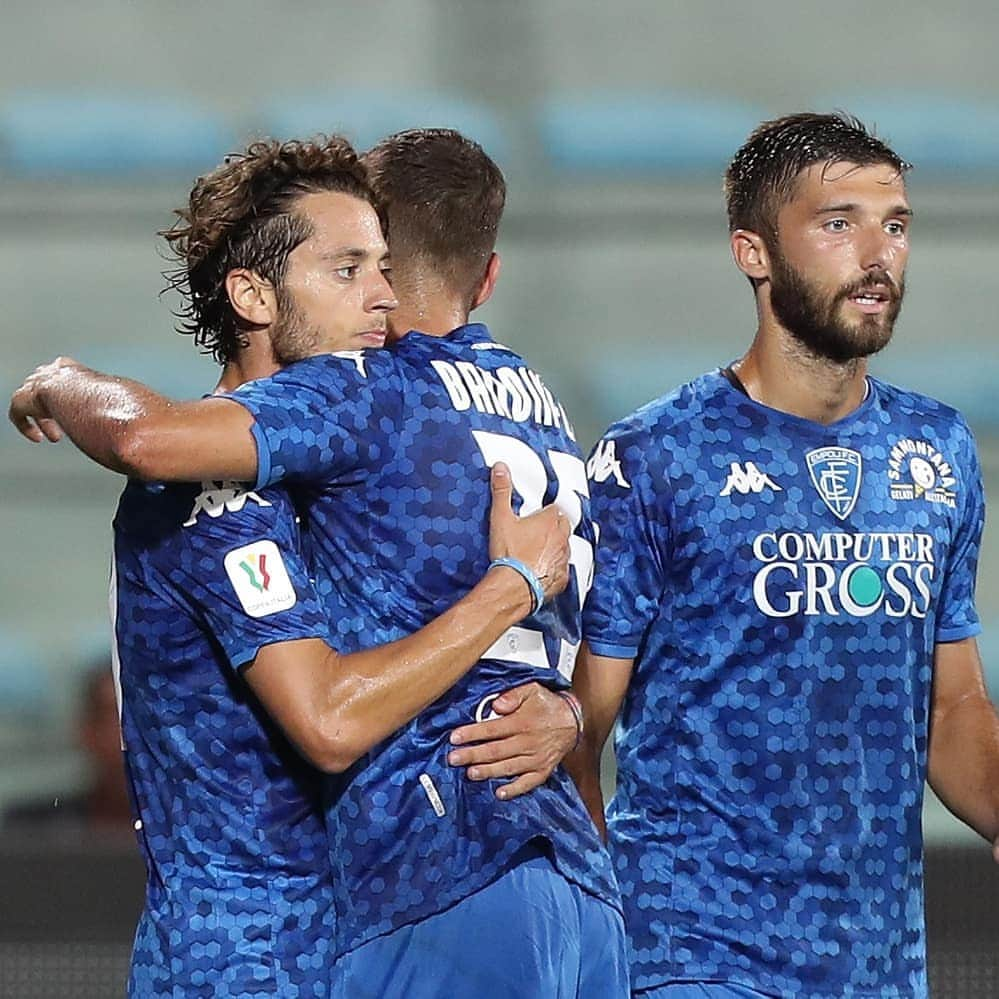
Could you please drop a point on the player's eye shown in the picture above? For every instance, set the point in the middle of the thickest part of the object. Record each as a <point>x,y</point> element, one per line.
<point>348,273</point>
<point>895,228</point>
<point>836,225</point>
<point>387,273</point>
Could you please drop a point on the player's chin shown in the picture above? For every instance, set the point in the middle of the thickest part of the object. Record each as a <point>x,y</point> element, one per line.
<point>369,338</point>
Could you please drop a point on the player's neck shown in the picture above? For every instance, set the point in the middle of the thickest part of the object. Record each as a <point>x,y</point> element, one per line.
<point>256,360</point>
<point>427,305</point>
<point>778,373</point>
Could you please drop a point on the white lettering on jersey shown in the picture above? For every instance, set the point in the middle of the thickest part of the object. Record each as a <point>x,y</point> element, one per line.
<point>516,394</point>
<point>603,464</point>
<point>217,497</point>
<point>747,480</point>
<point>837,573</point>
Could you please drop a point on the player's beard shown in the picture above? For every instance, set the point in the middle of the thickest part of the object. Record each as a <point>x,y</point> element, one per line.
<point>816,320</point>
<point>292,338</point>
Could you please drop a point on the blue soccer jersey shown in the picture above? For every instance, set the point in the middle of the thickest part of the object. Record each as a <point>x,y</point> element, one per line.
<point>239,893</point>
<point>781,586</point>
<point>391,450</point>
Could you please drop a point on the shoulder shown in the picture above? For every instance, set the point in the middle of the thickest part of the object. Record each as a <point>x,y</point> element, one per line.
<point>669,415</point>
<point>903,401</point>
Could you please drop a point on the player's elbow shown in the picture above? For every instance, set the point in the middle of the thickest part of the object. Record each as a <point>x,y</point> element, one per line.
<point>335,747</point>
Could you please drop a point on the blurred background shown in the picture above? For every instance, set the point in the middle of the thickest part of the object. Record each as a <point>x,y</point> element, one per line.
<point>613,123</point>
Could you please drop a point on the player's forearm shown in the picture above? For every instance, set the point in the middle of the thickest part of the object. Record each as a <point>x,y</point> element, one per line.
<point>964,764</point>
<point>131,429</point>
<point>99,413</point>
<point>583,765</point>
<point>371,694</point>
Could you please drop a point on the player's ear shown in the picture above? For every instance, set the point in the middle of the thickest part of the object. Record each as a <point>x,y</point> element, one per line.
<point>488,281</point>
<point>750,253</point>
<point>251,296</point>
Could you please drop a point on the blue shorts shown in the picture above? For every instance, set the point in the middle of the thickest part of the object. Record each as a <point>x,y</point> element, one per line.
<point>530,934</point>
<point>700,990</point>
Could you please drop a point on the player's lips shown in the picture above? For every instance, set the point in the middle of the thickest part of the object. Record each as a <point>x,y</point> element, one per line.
<point>873,300</point>
<point>373,338</point>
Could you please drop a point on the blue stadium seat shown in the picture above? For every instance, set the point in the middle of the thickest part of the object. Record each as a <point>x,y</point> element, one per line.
<point>365,117</point>
<point>643,133</point>
<point>59,135</point>
<point>939,134</point>
<point>25,690</point>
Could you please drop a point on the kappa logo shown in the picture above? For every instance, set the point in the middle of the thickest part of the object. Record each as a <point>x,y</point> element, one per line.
<point>836,473</point>
<point>259,577</point>
<point>603,464</point>
<point>217,497</point>
<point>917,470</point>
<point>357,356</point>
<point>747,480</point>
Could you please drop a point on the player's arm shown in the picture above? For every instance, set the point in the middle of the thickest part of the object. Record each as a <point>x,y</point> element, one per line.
<point>131,429</point>
<point>600,683</point>
<point>337,707</point>
<point>964,739</point>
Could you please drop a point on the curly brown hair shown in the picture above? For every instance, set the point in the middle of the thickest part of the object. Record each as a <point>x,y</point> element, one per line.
<point>242,215</point>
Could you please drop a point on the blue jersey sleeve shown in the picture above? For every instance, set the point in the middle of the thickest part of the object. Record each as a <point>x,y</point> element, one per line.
<point>243,573</point>
<point>630,508</point>
<point>323,418</point>
<point>957,617</point>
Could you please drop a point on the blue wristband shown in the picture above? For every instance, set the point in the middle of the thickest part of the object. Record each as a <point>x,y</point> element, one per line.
<point>537,590</point>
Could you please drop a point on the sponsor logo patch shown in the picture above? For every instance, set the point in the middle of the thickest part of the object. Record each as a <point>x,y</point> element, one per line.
<point>917,470</point>
<point>836,473</point>
<point>260,579</point>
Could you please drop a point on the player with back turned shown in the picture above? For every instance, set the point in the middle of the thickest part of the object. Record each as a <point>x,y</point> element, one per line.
<point>443,887</point>
<point>783,609</point>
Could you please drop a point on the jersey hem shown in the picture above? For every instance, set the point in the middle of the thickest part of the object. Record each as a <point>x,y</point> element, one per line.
<point>612,651</point>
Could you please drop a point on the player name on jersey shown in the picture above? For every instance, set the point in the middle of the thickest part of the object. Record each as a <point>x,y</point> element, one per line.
<point>518,394</point>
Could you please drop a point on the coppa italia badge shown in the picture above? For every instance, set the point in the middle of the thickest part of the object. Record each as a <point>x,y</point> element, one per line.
<point>917,470</point>
<point>835,473</point>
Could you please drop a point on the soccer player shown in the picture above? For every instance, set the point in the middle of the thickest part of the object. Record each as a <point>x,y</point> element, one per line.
<point>441,887</point>
<point>219,631</point>
<point>784,605</point>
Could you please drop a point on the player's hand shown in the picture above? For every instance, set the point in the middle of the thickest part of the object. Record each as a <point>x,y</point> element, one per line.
<point>27,410</point>
<point>540,540</point>
<point>535,730</point>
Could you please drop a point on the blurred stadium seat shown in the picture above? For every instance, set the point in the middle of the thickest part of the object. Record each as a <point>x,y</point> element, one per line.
<point>366,117</point>
<point>62,135</point>
<point>940,134</point>
<point>643,133</point>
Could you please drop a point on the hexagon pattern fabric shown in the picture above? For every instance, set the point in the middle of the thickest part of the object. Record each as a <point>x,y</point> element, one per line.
<point>781,586</point>
<point>239,895</point>
<point>391,450</point>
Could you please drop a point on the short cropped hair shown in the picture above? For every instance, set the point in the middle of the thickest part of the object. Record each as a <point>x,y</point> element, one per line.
<point>242,215</point>
<point>762,176</point>
<point>444,198</point>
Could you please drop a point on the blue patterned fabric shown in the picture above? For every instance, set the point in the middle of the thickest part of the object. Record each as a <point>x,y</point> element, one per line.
<point>239,893</point>
<point>390,450</point>
<point>781,586</point>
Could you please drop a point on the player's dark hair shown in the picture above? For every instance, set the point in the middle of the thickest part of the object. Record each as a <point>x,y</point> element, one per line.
<point>242,215</point>
<point>443,197</point>
<point>763,174</point>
